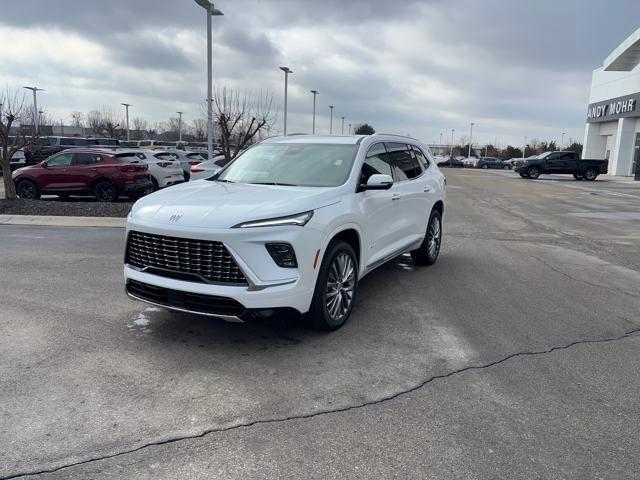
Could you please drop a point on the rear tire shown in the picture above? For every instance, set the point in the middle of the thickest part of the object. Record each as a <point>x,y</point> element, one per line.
<point>104,191</point>
<point>533,173</point>
<point>28,190</point>
<point>187,176</point>
<point>154,184</point>
<point>336,288</point>
<point>429,250</point>
<point>590,174</point>
<point>484,167</point>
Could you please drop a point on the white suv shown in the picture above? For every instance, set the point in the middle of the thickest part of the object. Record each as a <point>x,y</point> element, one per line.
<point>290,225</point>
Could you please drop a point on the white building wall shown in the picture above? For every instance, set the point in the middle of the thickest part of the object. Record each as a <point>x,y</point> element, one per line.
<point>625,139</point>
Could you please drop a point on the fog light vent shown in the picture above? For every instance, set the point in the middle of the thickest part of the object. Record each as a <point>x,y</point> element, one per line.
<point>282,254</point>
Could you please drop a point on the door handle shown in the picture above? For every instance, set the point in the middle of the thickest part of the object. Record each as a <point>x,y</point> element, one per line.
<point>396,196</point>
<point>428,189</point>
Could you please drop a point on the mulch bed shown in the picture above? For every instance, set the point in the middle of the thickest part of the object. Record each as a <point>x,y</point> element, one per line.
<point>73,207</point>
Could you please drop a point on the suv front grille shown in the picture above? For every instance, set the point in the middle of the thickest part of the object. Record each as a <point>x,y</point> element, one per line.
<point>201,261</point>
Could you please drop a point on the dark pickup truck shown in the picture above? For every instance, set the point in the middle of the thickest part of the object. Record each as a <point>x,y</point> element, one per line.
<point>561,162</point>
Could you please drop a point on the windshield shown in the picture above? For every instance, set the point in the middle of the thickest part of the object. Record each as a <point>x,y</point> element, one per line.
<point>305,165</point>
<point>544,155</point>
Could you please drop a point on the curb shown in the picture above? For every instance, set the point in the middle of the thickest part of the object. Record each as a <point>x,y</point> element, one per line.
<point>61,221</point>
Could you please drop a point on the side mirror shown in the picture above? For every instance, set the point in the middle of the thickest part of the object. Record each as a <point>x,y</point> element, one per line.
<point>378,182</point>
<point>44,165</point>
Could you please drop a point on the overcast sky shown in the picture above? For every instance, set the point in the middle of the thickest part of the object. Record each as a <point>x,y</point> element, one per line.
<point>418,67</point>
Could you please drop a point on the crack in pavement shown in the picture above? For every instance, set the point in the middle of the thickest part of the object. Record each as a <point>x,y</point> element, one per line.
<point>401,393</point>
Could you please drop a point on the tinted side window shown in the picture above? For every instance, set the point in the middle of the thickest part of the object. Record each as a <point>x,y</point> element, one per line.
<point>60,161</point>
<point>406,165</point>
<point>422,159</point>
<point>86,159</point>
<point>376,163</point>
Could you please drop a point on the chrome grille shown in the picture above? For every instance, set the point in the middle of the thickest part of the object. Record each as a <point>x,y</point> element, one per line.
<point>201,261</point>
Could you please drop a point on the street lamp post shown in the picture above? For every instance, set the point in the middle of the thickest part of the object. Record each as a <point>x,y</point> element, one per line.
<point>315,94</point>
<point>286,71</point>
<point>126,106</point>
<point>331,107</point>
<point>350,129</point>
<point>342,125</point>
<point>470,140</point>
<point>35,90</point>
<point>179,126</point>
<point>451,152</point>
<point>562,144</point>
<point>211,11</point>
<point>524,148</point>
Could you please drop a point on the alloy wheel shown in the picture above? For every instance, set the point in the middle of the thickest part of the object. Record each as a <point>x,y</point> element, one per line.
<point>27,190</point>
<point>434,237</point>
<point>341,284</point>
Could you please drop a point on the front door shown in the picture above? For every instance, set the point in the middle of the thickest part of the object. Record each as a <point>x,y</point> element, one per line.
<point>54,176</point>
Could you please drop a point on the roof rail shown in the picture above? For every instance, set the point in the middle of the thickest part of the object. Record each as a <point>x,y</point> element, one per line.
<point>395,135</point>
<point>296,134</point>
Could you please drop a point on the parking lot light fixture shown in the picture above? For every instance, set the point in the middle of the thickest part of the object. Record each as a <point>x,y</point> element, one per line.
<point>315,94</point>
<point>35,91</point>
<point>452,132</point>
<point>349,129</point>
<point>470,140</point>
<point>211,11</point>
<point>126,106</point>
<point>524,147</point>
<point>342,126</point>
<point>286,71</point>
<point>331,107</point>
<point>179,126</point>
<point>562,144</point>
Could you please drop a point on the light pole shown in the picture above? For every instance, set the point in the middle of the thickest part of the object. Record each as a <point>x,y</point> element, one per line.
<point>126,106</point>
<point>470,140</point>
<point>286,71</point>
<point>451,152</point>
<point>211,11</point>
<point>524,148</point>
<point>349,129</point>
<point>562,144</point>
<point>179,126</point>
<point>342,124</point>
<point>35,90</point>
<point>331,107</point>
<point>315,94</point>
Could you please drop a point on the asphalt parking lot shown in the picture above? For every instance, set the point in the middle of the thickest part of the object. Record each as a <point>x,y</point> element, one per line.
<point>515,356</point>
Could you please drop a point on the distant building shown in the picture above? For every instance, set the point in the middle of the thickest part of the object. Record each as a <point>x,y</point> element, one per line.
<point>613,116</point>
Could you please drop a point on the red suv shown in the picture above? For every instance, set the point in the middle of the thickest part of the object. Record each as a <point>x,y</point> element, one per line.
<point>84,172</point>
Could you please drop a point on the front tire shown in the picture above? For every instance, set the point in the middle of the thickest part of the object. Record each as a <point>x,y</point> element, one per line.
<point>336,288</point>
<point>578,176</point>
<point>28,190</point>
<point>484,167</point>
<point>429,250</point>
<point>523,175</point>
<point>533,173</point>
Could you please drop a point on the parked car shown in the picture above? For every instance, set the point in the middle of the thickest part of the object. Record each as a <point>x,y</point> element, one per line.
<point>291,225</point>
<point>104,142</point>
<point>452,162</point>
<point>48,146</point>
<point>208,168</point>
<point>163,172</point>
<point>562,163</point>
<point>18,160</point>
<point>491,162</point>
<point>470,162</point>
<point>186,159</point>
<point>92,172</point>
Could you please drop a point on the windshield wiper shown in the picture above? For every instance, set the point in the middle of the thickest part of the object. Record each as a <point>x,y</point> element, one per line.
<point>274,183</point>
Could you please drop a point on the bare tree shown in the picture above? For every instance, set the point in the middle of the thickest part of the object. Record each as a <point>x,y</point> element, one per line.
<point>140,127</point>
<point>112,125</point>
<point>94,121</point>
<point>199,129</point>
<point>77,119</point>
<point>13,112</point>
<point>240,118</point>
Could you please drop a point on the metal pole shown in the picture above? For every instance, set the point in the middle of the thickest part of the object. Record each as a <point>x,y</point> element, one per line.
<point>562,144</point>
<point>209,87</point>
<point>315,93</point>
<point>36,120</point>
<point>349,129</point>
<point>440,139</point>
<point>342,124</point>
<point>470,140</point>
<point>524,148</point>
<point>286,71</point>
<point>451,152</point>
<point>331,121</point>
<point>179,126</point>
<point>126,106</point>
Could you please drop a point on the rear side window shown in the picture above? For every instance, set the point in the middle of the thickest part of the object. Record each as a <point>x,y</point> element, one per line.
<point>167,157</point>
<point>376,163</point>
<point>420,156</point>
<point>406,165</point>
<point>86,159</point>
<point>128,157</point>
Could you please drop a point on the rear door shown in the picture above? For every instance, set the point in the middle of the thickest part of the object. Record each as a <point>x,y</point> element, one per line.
<point>55,176</point>
<point>411,189</point>
<point>84,170</point>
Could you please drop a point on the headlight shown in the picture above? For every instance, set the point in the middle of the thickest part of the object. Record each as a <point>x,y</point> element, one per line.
<point>299,220</point>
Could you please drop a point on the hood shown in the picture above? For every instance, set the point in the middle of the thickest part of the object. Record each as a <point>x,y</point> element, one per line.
<point>207,204</point>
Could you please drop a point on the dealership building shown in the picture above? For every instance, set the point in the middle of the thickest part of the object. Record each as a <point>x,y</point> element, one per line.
<point>613,117</point>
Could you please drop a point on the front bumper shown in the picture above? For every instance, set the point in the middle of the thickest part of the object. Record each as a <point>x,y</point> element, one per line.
<point>268,287</point>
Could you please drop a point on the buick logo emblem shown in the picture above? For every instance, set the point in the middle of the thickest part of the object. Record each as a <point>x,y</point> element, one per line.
<point>175,217</point>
